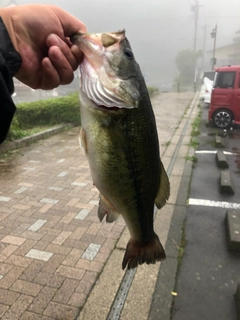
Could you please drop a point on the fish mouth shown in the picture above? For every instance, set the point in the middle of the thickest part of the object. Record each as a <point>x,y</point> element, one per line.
<point>104,108</point>
<point>97,40</point>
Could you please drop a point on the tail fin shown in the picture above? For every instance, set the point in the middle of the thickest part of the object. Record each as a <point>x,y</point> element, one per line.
<point>137,253</point>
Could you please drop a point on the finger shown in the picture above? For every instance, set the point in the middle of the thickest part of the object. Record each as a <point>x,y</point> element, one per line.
<point>50,76</point>
<point>69,23</point>
<point>61,64</point>
<point>77,53</point>
<point>54,40</point>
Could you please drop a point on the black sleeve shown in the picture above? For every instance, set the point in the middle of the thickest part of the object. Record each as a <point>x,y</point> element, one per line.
<point>10,62</point>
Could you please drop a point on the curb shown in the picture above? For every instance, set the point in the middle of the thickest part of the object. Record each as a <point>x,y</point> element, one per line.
<point>219,143</point>
<point>237,300</point>
<point>16,144</point>
<point>226,182</point>
<point>162,298</point>
<point>221,160</point>
<point>233,234</point>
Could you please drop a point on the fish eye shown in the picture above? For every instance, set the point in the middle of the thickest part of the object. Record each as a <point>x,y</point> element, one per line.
<point>128,53</point>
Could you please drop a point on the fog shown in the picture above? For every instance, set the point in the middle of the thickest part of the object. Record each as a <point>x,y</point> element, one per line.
<point>158,29</point>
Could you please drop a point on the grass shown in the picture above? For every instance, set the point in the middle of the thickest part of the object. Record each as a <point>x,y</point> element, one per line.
<point>183,243</point>
<point>18,133</point>
<point>191,158</point>
<point>194,143</point>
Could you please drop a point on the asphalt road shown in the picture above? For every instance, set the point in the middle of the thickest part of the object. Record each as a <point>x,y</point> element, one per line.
<point>208,273</point>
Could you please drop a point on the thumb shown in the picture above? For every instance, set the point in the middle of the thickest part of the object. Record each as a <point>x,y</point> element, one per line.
<point>70,24</point>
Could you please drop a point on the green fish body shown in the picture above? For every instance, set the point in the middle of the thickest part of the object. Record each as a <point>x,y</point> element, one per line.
<point>120,140</point>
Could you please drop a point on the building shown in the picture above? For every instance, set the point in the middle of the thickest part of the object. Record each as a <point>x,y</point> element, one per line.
<point>227,55</point>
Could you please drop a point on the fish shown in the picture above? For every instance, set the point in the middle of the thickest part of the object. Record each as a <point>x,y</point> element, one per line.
<point>120,140</point>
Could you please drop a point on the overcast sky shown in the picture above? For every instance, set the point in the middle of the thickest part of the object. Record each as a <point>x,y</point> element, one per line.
<point>157,29</point>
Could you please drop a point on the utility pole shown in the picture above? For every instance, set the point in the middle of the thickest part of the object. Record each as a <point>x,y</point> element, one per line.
<point>214,36</point>
<point>204,44</point>
<point>195,9</point>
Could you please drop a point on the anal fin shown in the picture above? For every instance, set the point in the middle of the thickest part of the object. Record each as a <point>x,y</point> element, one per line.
<point>164,189</point>
<point>107,209</point>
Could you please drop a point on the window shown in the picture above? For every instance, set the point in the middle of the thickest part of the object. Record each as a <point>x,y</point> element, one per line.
<point>225,80</point>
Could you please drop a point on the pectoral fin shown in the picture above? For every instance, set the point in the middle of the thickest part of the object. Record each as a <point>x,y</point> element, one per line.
<point>164,189</point>
<point>83,140</point>
<point>107,209</point>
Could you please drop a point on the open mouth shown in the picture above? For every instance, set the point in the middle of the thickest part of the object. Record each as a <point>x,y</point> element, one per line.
<point>102,107</point>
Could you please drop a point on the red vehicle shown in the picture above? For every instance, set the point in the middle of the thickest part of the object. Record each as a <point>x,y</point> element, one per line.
<point>224,107</point>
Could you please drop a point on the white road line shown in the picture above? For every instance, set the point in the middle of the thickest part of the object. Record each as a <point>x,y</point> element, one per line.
<point>211,203</point>
<point>214,152</point>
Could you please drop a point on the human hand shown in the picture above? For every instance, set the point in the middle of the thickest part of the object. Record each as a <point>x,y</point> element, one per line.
<point>40,33</point>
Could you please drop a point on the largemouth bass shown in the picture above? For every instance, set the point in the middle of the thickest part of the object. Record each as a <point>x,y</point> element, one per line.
<point>120,140</point>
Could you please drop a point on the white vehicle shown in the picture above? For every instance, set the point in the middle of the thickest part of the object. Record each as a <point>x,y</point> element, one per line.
<point>206,88</point>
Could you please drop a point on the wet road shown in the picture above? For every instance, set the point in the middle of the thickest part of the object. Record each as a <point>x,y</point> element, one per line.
<point>208,274</point>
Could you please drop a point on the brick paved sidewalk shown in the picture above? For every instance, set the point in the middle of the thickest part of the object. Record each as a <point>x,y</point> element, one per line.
<point>52,245</point>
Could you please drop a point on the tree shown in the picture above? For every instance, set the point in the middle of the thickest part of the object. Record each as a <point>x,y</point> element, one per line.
<point>186,61</point>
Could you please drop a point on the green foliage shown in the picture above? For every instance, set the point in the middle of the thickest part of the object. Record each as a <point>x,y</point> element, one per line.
<point>168,143</point>
<point>196,125</point>
<point>48,112</point>
<point>186,61</point>
<point>32,117</point>
<point>191,158</point>
<point>152,91</point>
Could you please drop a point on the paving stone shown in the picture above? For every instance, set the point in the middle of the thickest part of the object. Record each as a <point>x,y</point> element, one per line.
<point>18,308</point>
<point>12,276</point>
<point>66,291</point>
<point>70,272</point>
<point>37,225</point>
<point>39,255</point>
<point>52,265</point>
<point>91,251</point>
<point>87,282</point>
<point>13,240</point>
<point>34,316</point>
<point>41,302</point>
<point>55,188</point>
<point>77,299</point>
<point>26,287</point>
<point>8,250</point>
<point>5,199</point>
<point>61,311</point>
<point>62,174</point>
<point>82,214</point>
<point>33,270</point>
<point>73,257</point>
<point>79,184</point>
<point>45,278</point>
<point>18,261</point>
<point>48,200</point>
<point>8,297</point>
<point>3,309</point>
<point>20,190</point>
